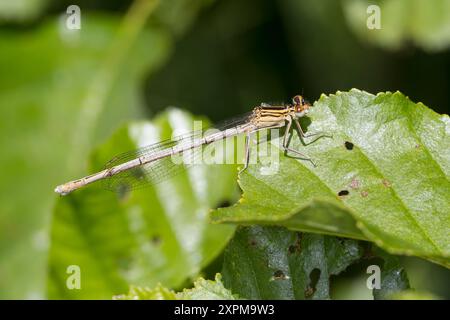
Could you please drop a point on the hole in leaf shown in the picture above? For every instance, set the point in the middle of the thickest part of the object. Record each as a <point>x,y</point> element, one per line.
<point>348,145</point>
<point>343,193</point>
<point>314,277</point>
<point>279,275</point>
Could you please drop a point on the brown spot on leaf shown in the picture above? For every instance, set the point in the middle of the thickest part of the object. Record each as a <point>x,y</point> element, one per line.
<point>386,183</point>
<point>309,292</point>
<point>364,194</point>
<point>354,184</point>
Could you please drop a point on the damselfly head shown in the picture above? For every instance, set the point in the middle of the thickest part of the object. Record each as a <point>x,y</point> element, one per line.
<point>301,106</point>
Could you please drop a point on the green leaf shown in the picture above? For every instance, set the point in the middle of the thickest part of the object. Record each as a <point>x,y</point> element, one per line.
<point>21,10</point>
<point>142,237</point>
<point>425,23</point>
<point>178,15</point>
<point>275,263</point>
<point>202,290</point>
<point>413,295</point>
<point>391,156</point>
<point>207,290</point>
<point>47,74</point>
<point>144,293</point>
<point>393,277</point>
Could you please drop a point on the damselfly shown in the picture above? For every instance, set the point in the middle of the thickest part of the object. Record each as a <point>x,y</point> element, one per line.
<point>152,163</point>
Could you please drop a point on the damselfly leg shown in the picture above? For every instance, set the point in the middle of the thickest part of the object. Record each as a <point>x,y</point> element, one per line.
<point>247,152</point>
<point>304,135</point>
<point>286,140</point>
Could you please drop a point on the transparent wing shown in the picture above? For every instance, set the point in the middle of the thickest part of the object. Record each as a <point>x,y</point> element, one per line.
<point>153,172</point>
<point>155,147</point>
<point>161,169</point>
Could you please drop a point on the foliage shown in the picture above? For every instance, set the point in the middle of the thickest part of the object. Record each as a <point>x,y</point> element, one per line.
<point>144,236</point>
<point>424,23</point>
<point>274,263</point>
<point>40,102</point>
<point>378,144</point>
<point>202,290</point>
<point>393,277</point>
<point>63,93</point>
<point>384,176</point>
<point>413,295</point>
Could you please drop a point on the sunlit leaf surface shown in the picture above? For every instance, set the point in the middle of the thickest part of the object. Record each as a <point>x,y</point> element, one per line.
<point>384,176</point>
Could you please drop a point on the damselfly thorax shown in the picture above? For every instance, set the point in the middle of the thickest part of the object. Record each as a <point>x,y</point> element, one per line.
<point>267,115</point>
<point>152,164</point>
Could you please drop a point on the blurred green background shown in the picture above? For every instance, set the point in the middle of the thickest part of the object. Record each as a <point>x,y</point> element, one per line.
<point>63,92</point>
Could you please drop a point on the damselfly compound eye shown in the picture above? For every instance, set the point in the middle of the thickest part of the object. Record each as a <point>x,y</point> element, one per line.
<point>298,100</point>
<point>300,106</point>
